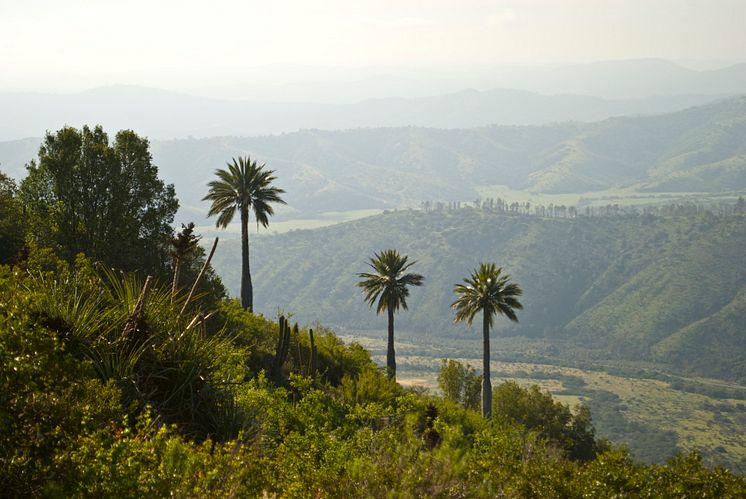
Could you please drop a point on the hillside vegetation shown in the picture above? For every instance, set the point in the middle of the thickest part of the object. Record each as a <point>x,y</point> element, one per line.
<point>663,289</point>
<point>700,149</point>
<point>108,389</point>
<point>696,150</point>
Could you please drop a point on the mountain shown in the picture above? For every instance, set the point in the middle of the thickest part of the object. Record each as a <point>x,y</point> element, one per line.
<point>15,154</point>
<point>696,150</point>
<point>634,78</point>
<point>661,289</point>
<point>161,114</point>
<point>700,149</point>
<point>616,79</point>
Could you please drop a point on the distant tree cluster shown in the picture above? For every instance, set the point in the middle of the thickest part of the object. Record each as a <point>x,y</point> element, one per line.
<point>500,205</point>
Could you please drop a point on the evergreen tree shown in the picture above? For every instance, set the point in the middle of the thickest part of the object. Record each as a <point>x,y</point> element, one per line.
<point>11,225</point>
<point>105,200</point>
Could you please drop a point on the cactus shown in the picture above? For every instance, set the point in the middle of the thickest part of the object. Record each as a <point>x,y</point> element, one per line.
<point>296,337</point>
<point>312,360</point>
<point>283,343</point>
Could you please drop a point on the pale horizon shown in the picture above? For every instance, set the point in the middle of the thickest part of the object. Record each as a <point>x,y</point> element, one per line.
<point>185,46</point>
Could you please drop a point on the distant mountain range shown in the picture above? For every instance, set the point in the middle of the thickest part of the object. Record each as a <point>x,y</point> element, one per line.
<point>160,114</point>
<point>700,149</point>
<point>629,79</point>
<point>669,290</point>
<point>619,79</point>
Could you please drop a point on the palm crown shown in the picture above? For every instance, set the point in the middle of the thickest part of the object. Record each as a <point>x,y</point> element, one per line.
<point>489,290</point>
<point>242,186</point>
<point>389,284</point>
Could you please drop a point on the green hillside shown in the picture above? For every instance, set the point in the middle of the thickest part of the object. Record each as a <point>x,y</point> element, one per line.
<point>700,149</point>
<point>696,150</point>
<point>661,289</point>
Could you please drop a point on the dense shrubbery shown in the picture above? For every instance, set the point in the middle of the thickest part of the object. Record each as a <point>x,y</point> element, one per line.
<point>96,402</point>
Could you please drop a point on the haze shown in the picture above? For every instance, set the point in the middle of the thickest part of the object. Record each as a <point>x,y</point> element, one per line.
<point>204,48</point>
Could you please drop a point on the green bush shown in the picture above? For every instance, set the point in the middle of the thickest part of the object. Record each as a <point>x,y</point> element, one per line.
<point>570,431</point>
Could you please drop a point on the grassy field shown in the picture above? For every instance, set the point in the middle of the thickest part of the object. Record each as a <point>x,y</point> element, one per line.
<point>712,426</point>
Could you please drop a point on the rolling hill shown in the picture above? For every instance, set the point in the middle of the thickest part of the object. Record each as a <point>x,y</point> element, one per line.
<point>162,114</point>
<point>700,149</point>
<point>666,290</point>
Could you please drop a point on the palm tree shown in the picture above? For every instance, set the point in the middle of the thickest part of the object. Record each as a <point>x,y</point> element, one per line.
<point>242,186</point>
<point>388,286</point>
<point>488,290</point>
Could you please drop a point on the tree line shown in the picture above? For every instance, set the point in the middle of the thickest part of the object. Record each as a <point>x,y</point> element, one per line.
<point>551,210</point>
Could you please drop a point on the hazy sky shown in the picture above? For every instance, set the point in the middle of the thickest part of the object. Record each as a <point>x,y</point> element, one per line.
<point>47,44</point>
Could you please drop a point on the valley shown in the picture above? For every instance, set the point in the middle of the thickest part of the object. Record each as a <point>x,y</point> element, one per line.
<point>452,249</point>
<point>641,408</point>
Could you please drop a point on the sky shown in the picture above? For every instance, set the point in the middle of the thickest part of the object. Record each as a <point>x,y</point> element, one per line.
<point>79,44</point>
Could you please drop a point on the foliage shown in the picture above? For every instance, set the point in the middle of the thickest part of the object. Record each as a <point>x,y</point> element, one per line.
<point>572,432</point>
<point>387,287</point>
<point>12,230</point>
<point>182,246</point>
<point>489,291</point>
<point>84,410</point>
<point>106,200</point>
<point>460,383</point>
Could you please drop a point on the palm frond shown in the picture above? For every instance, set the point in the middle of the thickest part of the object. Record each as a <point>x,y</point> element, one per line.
<point>487,289</point>
<point>243,185</point>
<point>387,286</point>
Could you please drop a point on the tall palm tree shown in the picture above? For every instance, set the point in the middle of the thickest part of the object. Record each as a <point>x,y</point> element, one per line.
<point>387,285</point>
<point>243,186</point>
<point>492,292</point>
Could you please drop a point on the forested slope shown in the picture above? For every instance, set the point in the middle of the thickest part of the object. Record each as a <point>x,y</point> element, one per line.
<point>635,287</point>
<point>700,149</point>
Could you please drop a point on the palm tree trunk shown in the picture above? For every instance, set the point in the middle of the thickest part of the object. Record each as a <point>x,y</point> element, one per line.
<point>390,354</point>
<point>486,383</point>
<point>247,291</point>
